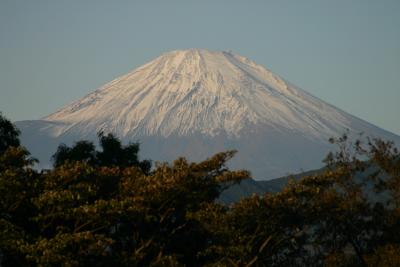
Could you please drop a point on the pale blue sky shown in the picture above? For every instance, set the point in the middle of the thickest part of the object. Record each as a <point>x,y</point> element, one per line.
<point>345,52</point>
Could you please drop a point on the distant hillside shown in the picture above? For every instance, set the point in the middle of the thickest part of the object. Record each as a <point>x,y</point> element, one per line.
<point>249,187</point>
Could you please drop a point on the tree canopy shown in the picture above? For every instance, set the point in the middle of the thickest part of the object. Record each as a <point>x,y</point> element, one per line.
<point>8,134</point>
<point>113,153</point>
<point>96,208</point>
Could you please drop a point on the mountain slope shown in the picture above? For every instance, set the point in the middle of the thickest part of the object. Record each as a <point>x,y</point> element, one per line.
<point>197,102</point>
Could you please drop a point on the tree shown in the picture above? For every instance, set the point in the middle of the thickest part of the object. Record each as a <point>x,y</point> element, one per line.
<point>8,134</point>
<point>346,215</point>
<point>100,208</point>
<point>113,153</point>
<point>332,218</point>
<point>84,213</point>
<point>83,151</point>
<point>16,183</point>
<point>79,220</point>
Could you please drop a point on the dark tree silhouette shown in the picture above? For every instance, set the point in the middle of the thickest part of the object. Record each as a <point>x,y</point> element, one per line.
<point>97,208</point>
<point>8,134</point>
<point>112,153</point>
<point>82,151</point>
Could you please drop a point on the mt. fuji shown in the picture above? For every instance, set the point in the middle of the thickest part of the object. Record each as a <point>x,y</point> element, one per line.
<point>195,103</point>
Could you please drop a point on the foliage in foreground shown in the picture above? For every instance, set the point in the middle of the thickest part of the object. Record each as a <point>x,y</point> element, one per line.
<point>83,213</point>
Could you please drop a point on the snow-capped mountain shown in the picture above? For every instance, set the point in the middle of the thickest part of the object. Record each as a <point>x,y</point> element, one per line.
<point>197,102</point>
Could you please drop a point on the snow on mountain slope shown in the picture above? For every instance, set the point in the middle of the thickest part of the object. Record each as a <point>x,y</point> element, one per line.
<point>193,102</point>
<point>190,91</point>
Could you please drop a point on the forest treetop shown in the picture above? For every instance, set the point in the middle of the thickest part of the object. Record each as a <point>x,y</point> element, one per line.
<point>102,208</point>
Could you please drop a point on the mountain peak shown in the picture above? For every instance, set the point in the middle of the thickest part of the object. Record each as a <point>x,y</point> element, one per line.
<point>194,51</point>
<point>197,102</point>
<point>198,91</point>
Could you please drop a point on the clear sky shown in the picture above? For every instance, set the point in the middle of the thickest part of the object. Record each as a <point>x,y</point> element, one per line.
<point>346,52</point>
